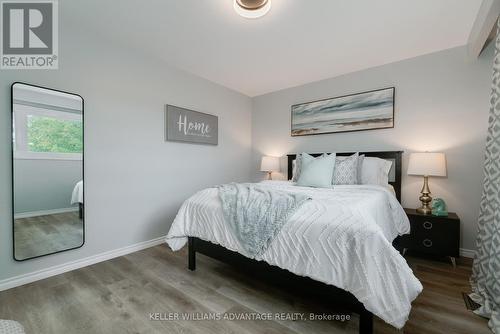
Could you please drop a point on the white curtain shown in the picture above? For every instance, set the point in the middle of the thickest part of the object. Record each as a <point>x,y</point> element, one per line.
<point>486,269</point>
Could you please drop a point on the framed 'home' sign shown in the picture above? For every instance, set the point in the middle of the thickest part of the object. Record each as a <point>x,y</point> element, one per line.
<point>184,125</point>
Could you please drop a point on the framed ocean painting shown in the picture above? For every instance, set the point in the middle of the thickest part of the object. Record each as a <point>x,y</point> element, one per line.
<point>356,112</point>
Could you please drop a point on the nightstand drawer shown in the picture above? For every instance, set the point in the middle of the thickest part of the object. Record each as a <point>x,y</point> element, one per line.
<point>432,244</point>
<point>424,227</point>
<point>432,234</point>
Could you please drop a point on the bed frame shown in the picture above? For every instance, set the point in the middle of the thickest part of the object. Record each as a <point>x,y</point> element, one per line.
<point>284,278</point>
<point>81,210</point>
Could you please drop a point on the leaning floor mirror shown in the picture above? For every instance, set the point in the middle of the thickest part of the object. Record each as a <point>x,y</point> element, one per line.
<point>47,171</point>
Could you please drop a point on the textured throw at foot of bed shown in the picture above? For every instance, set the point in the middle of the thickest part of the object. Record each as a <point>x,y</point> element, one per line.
<point>256,213</point>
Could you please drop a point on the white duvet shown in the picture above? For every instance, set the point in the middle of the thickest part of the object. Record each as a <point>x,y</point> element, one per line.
<point>77,194</point>
<point>342,237</point>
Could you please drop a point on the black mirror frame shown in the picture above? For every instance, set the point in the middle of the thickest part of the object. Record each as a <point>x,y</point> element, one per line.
<point>12,168</point>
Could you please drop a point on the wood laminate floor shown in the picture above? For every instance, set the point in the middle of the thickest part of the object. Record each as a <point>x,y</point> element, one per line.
<point>118,296</point>
<point>47,234</point>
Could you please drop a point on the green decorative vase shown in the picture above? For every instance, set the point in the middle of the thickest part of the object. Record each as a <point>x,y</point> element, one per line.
<point>439,207</point>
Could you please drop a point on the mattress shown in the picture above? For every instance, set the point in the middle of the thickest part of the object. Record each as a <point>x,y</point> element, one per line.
<point>342,237</point>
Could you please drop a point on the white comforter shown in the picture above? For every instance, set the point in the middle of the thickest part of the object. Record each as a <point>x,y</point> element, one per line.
<point>341,237</point>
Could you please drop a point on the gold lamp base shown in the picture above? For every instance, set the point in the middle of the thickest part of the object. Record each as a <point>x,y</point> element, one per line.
<point>425,198</point>
<point>424,210</point>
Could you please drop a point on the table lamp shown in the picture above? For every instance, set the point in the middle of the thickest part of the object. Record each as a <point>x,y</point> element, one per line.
<point>269,165</point>
<point>426,164</point>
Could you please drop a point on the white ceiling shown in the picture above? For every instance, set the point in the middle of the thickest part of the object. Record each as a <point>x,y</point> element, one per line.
<point>297,42</point>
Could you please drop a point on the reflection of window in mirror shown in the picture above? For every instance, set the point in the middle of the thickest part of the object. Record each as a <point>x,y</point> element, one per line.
<point>47,133</point>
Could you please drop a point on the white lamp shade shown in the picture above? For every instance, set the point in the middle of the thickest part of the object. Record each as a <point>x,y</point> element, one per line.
<point>427,164</point>
<point>270,164</point>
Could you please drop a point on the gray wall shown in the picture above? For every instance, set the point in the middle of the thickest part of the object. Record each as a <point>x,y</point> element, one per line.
<point>44,184</point>
<point>442,103</point>
<point>135,181</point>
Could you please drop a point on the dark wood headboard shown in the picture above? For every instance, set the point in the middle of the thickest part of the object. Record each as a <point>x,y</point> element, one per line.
<point>395,156</point>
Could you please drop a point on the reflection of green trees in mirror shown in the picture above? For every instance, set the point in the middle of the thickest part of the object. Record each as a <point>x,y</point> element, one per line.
<point>47,134</point>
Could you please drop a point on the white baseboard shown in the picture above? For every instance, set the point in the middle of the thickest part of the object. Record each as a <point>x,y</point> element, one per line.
<point>467,252</point>
<point>65,267</point>
<point>44,212</point>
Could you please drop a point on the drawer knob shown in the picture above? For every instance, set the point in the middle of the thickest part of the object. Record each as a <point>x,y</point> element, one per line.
<point>427,242</point>
<point>427,225</point>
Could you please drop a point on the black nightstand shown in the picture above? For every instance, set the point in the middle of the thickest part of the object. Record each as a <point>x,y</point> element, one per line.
<point>432,235</point>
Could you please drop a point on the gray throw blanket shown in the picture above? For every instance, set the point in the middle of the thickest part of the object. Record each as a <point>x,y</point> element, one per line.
<point>256,213</point>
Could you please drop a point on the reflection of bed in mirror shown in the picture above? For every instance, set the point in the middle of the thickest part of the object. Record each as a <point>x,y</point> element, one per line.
<point>77,198</point>
<point>47,153</point>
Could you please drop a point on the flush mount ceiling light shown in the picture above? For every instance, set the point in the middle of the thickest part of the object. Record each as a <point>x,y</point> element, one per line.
<point>252,9</point>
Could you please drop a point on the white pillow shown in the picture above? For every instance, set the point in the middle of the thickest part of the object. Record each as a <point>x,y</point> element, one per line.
<point>375,171</point>
<point>361,158</point>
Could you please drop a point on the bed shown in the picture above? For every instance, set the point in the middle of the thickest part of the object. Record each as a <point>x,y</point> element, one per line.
<point>77,197</point>
<point>337,246</point>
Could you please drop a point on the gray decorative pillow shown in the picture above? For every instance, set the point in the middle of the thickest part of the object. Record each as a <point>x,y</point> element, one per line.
<point>346,170</point>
